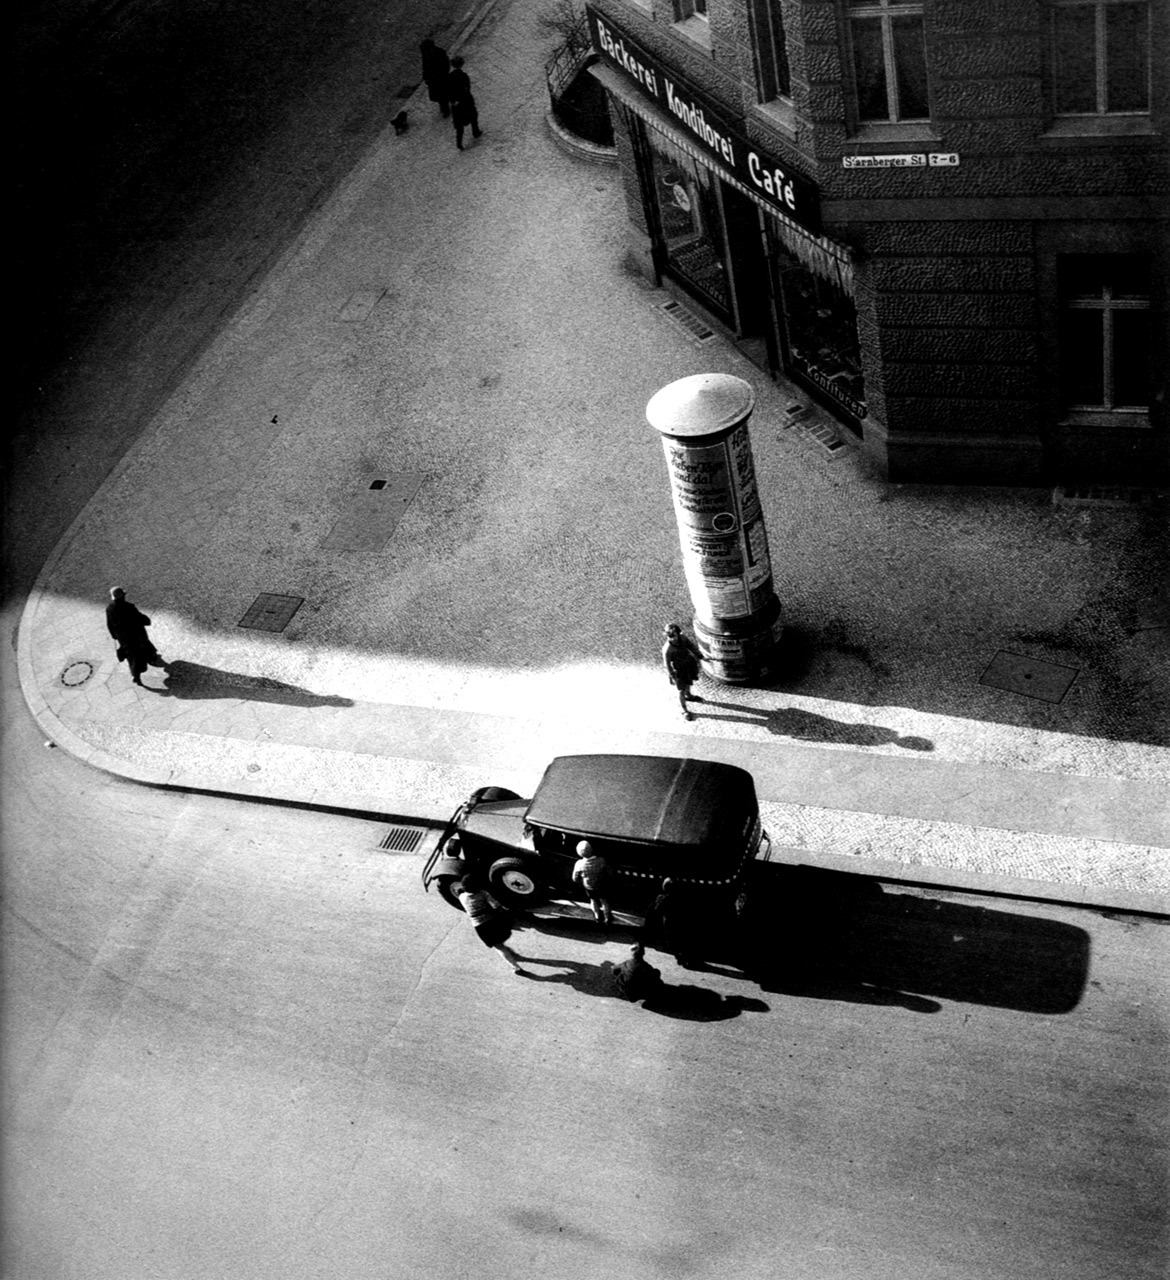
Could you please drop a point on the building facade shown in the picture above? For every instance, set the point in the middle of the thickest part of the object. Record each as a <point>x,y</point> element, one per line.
<point>948,221</point>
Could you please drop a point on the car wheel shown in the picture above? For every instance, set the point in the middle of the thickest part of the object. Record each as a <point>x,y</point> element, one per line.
<point>495,793</point>
<point>513,883</point>
<point>449,887</point>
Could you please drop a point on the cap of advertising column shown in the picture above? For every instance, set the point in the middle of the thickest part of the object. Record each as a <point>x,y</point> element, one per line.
<point>700,405</point>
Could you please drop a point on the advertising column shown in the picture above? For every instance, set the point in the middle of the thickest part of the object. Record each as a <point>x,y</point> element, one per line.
<point>703,422</point>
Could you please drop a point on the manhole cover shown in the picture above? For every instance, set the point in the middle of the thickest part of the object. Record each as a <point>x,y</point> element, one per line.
<point>76,673</point>
<point>271,612</point>
<point>358,306</point>
<point>373,513</point>
<point>1032,677</point>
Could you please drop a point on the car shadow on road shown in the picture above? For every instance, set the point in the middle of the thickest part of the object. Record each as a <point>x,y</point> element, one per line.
<point>795,722</point>
<point>841,936</point>
<point>191,680</point>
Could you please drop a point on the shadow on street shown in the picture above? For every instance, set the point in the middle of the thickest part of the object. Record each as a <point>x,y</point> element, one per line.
<point>684,1001</point>
<point>193,681</point>
<point>835,935</point>
<point>838,936</point>
<point>795,722</point>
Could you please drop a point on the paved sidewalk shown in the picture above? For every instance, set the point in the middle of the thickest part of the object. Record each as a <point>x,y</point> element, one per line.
<point>460,326</point>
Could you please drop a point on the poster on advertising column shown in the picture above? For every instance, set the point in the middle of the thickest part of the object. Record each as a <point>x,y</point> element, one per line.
<point>721,530</point>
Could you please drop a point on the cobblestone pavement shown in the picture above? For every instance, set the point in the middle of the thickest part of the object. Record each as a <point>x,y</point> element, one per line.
<point>460,326</point>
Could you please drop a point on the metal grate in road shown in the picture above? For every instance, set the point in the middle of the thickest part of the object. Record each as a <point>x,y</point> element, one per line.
<point>1101,495</point>
<point>1032,677</point>
<point>358,306</point>
<point>402,839</point>
<point>825,436</point>
<point>698,330</point>
<point>372,514</point>
<point>271,612</point>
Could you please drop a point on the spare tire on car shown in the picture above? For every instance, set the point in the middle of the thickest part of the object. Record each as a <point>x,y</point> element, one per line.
<point>494,793</point>
<point>514,883</point>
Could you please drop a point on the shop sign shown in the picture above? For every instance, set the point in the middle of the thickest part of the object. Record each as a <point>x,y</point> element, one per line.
<point>830,385</point>
<point>771,180</point>
<point>927,160</point>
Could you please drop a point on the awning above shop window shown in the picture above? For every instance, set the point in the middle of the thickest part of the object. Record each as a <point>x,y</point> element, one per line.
<point>817,254</point>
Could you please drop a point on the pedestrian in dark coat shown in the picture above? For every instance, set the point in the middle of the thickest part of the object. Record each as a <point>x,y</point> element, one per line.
<point>436,67</point>
<point>672,923</point>
<point>463,109</point>
<point>680,657</point>
<point>128,628</point>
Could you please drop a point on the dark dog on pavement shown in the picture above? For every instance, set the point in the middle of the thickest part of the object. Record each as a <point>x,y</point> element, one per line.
<point>400,123</point>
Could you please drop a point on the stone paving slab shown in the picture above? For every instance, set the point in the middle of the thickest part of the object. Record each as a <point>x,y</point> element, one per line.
<point>506,359</point>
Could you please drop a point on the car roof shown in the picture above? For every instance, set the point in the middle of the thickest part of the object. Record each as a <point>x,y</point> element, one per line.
<point>654,799</point>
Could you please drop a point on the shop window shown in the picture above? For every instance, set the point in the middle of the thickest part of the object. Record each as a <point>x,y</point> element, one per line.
<point>820,323</point>
<point>1105,332</point>
<point>693,243</point>
<point>1100,53</point>
<point>770,46</point>
<point>889,60</point>
<point>684,9</point>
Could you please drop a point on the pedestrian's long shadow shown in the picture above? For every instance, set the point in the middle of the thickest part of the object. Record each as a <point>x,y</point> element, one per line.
<point>795,722</point>
<point>194,681</point>
<point>694,1004</point>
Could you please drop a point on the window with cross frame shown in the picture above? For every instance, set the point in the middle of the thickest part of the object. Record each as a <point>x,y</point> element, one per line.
<point>889,60</point>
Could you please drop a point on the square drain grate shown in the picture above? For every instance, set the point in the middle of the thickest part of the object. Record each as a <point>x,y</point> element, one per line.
<point>696,329</point>
<point>271,612</point>
<point>825,436</point>
<point>1032,677</point>
<point>1101,495</point>
<point>402,839</point>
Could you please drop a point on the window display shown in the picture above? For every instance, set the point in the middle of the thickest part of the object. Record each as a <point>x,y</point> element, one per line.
<point>821,329</point>
<point>691,221</point>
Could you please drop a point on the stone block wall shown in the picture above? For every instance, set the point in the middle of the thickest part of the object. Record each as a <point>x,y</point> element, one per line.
<point>954,267</point>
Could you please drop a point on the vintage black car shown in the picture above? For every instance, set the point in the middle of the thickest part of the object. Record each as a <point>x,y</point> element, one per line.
<point>650,817</point>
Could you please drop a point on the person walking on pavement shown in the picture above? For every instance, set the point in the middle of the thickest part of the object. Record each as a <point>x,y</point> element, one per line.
<point>589,872</point>
<point>491,926</point>
<point>463,109</point>
<point>680,657</point>
<point>436,67</point>
<point>128,626</point>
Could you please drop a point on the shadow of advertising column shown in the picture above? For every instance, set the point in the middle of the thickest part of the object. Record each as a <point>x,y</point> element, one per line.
<point>703,422</point>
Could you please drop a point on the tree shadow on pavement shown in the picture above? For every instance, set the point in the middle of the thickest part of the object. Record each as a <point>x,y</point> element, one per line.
<point>795,722</point>
<point>191,680</point>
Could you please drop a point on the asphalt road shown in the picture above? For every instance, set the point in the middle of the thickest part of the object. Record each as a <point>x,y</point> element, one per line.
<point>240,1040</point>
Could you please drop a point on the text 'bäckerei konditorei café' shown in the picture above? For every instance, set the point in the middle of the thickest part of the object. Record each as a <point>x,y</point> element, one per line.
<point>771,181</point>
